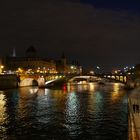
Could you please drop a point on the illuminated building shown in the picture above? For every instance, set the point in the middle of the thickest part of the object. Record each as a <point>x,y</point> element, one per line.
<point>63,67</point>
<point>31,63</point>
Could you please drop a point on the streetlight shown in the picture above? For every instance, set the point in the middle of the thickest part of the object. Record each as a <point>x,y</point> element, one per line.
<point>1,68</point>
<point>98,67</point>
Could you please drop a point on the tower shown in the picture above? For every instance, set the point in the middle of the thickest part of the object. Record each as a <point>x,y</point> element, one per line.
<point>14,52</point>
<point>63,59</point>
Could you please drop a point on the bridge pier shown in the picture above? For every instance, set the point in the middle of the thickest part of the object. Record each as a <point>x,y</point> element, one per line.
<point>41,82</point>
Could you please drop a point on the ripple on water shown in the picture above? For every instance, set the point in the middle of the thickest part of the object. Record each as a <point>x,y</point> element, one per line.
<point>100,114</point>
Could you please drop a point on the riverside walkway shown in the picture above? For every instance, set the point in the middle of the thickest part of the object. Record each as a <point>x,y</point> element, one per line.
<point>134,115</point>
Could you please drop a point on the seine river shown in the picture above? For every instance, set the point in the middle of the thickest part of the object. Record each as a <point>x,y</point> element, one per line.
<point>86,112</point>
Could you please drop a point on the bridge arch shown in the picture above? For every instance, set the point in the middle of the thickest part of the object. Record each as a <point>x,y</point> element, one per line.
<point>32,82</point>
<point>28,82</point>
<point>83,78</point>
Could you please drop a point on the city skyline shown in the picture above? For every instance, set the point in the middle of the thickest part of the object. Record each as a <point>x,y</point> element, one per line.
<point>70,69</point>
<point>94,33</point>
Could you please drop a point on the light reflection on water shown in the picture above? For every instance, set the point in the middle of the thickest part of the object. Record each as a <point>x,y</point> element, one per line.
<point>76,112</point>
<point>2,111</point>
<point>2,107</point>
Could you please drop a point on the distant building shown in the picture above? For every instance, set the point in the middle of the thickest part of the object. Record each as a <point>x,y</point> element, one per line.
<point>137,71</point>
<point>30,63</point>
<point>63,67</point>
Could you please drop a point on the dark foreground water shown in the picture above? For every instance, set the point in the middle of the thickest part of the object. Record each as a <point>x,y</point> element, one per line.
<point>88,112</point>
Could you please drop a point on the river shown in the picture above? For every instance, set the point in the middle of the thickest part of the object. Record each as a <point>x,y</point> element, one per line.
<point>86,112</point>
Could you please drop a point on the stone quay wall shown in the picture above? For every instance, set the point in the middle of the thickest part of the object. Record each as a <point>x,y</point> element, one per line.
<point>8,81</point>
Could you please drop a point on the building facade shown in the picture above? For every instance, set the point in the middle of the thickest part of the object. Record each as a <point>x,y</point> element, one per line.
<point>63,67</point>
<point>31,63</point>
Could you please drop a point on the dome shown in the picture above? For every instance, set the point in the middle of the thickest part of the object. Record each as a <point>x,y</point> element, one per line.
<point>31,49</point>
<point>31,52</point>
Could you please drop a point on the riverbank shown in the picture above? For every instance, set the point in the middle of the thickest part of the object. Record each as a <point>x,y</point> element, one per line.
<point>8,81</point>
<point>134,114</point>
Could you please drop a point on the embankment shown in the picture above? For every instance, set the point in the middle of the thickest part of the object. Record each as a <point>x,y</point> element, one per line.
<point>8,81</point>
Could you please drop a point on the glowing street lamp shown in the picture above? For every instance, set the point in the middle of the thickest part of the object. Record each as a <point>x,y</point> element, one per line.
<point>20,70</point>
<point>98,67</point>
<point>1,68</point>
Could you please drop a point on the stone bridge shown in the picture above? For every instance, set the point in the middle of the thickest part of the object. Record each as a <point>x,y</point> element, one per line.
<point>117,78</point>
<point>35,80</point>
<point>42,80</point>
<point>120,78</point>
<point>82,78</point>
<point>31,81</point>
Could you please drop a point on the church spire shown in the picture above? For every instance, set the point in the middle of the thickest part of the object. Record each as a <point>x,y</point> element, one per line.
<point>14,52</point>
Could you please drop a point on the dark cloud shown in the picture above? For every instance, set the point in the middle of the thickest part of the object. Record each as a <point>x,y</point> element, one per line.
<point>95,36</point>
<point>130,5</point>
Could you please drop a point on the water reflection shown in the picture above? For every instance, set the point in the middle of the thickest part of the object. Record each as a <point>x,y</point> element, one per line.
<point>91,87</point>
<point>33,90</point>
<point>115,94</point>
<point>81,87</point>
<point>72,105</point>
<point>75,112</point>
<point>2,107</point>
<point>3,114</point>
<point>117,91</point>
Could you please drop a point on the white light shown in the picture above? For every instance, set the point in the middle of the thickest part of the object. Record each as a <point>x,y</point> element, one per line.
<point>72,67</point>
<point>91,72</point>
<point>98,67</point>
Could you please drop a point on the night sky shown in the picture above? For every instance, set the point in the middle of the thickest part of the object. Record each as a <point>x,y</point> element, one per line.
<point>95,32</point>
